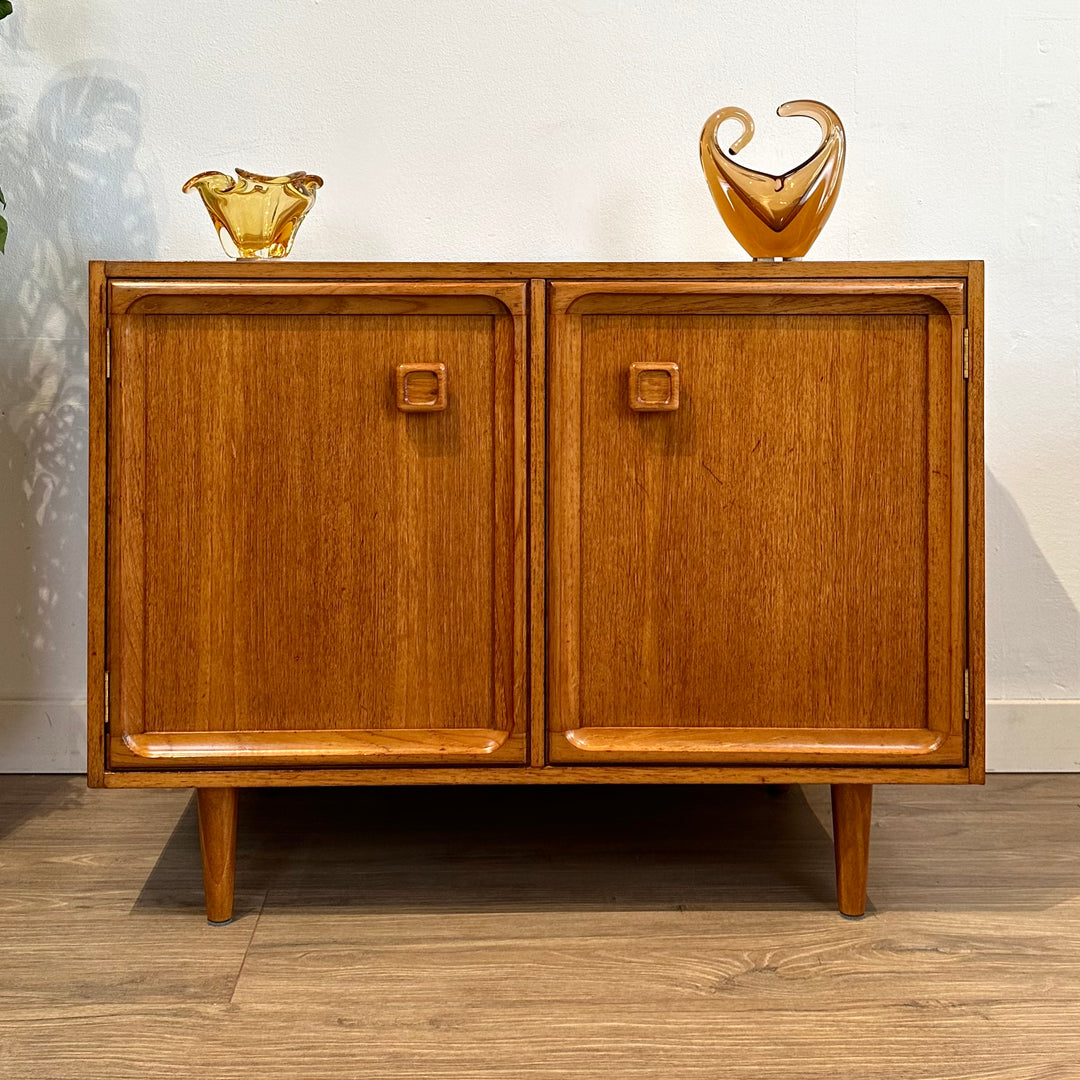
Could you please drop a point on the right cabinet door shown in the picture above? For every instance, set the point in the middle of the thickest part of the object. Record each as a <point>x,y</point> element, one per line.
<point>757,520</point>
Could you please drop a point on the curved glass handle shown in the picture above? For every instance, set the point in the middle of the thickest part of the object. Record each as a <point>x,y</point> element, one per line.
<point>421,387</point>
<point>654,387</point>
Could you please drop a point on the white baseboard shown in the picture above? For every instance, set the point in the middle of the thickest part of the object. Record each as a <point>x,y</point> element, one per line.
<point>42,736</point>
<point>1021,736</point>
<point>1033,736</point>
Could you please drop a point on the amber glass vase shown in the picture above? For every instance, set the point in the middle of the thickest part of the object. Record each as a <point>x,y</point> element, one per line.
<point>256,217</point>
<point>775,216</point>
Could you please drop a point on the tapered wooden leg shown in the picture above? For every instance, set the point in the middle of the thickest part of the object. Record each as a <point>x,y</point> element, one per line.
<point>217,837</point>
<point>851,837</point>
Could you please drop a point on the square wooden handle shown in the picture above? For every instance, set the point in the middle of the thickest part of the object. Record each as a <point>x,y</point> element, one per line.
<point>654,387</point>
<point>421,387</point>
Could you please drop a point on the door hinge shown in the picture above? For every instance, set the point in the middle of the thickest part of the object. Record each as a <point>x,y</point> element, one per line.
<point>967,694</point>
<point>106,703</point>
<point>967,353</point>
<point>108,353</point>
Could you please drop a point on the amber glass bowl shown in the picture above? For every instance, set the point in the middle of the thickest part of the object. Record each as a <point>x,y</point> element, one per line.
<point>256,217</point>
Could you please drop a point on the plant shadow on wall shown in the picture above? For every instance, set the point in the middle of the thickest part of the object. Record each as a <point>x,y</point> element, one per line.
<point>74,192</point>
<point>5,11</point>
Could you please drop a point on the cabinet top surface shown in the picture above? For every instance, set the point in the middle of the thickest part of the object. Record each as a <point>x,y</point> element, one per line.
<point>286,270</point>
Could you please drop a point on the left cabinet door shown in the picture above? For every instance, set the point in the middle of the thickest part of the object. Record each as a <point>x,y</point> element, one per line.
<point>315,548</point>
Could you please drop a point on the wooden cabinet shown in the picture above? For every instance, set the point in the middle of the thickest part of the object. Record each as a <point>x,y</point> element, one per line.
<point>357,523</point>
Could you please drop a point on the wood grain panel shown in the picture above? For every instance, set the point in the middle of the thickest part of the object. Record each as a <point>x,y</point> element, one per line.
<point>784,550</point>
<point>315,558</point>
<point>341,556</point>
<point>761,563</point>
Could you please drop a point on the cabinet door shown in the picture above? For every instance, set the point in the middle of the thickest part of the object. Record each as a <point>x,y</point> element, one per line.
<point>756,546</point>
<point>316,547</point>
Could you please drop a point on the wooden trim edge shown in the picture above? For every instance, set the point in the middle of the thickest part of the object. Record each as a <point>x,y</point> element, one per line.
<point>287,269</point>
<point>571,774</point>
<point>128,295</point>
<point>782,742</point>
<point>947,294</point>
<point>254,748</point>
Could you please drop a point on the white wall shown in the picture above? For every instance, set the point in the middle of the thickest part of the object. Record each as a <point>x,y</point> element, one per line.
<point>548,129</point>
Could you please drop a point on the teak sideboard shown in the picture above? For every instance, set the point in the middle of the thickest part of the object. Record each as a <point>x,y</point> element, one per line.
<point>359,523</point>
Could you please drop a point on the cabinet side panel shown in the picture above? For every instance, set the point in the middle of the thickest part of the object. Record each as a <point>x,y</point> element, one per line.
<point>95,576</point>
<point>976,549</point>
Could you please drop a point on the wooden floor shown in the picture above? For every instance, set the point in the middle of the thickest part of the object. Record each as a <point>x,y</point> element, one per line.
<point>541,933</point>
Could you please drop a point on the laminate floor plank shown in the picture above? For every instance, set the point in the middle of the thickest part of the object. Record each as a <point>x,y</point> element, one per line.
<point>993,1040</point>
<point>541,933</point>
<point>77,923</point>
<point>767,957</point>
